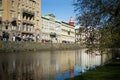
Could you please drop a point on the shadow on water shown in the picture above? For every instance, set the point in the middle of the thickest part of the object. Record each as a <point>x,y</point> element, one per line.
<point>45,65</point>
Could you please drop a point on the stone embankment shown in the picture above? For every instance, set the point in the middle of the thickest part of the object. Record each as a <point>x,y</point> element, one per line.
<point>34,46</point>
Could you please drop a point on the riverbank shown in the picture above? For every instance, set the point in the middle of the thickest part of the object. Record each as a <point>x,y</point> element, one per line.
<point>7,46</point>
<point>109,71</point>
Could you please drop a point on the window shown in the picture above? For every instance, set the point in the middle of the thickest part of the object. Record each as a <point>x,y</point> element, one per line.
<point>27,1</point>
<point>37,13</point>
<point>12,27</point>
<point>12,2</point>
<point>19,28</point>
<point>18,16</point>
<point>0,25</point>
<point>68,32</point>
<point>18,5</point>
<point>0,2</point>
<point>0,13</point>
<point>6,27</point>
<point>32,3</point>
<point>37,22</point>
<point>24,27</point>
<point>31,29</point>
<point>12,14</point>
<point>27,28</point>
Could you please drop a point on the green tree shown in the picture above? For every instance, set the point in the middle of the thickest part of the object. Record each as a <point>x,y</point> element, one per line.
<point>103,15</point>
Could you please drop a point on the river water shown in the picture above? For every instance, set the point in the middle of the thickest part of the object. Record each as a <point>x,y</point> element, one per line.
<point>46,65</point>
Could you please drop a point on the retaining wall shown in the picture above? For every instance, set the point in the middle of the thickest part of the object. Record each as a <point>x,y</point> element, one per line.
<point>33,46</point>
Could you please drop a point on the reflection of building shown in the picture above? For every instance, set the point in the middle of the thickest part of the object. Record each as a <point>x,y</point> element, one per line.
<point>86,61</point>
<point>64,31</point>
<point>20,17</point>
<point>38,66</point>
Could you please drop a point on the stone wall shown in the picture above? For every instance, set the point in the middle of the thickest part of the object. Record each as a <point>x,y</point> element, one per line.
<point>32,46</point>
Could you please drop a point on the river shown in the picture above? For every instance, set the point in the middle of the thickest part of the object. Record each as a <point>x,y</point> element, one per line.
<point>46,65</point>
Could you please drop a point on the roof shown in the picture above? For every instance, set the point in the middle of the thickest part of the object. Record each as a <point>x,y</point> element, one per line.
<point>66,23</point>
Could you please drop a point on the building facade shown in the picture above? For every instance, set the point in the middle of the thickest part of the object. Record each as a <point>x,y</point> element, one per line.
<point>64,32</point>
<point>50,26</point>
<point>67,33</point>
<point>79,35</point>
<point>20,17</point>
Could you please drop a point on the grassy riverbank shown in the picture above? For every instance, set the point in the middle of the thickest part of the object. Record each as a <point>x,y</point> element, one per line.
<point>110,71</point>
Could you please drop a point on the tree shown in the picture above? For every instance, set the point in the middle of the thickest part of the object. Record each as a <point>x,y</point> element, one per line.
<point>102,15</point>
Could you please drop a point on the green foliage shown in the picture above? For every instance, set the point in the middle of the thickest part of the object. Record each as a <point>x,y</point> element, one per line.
<point>103,15</point>
<point>97,12</point>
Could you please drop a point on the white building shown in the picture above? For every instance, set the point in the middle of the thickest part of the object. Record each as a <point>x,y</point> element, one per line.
<point>79,35</point>
<point>65,33</point>
<point>50,25</point>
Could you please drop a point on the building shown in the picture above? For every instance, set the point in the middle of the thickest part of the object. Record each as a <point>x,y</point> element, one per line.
<point>64,32</point>
<point>50,26</point>
<point>20,17</point>
<point>79,35</point>
<point>67,33</point>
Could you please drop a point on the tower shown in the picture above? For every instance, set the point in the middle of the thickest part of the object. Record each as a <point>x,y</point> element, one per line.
<point>71,22</point>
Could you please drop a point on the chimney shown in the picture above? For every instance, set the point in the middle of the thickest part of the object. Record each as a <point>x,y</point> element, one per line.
<point>71,22</point>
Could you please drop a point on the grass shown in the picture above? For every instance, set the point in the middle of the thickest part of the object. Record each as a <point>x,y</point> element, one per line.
<point>109,71</point>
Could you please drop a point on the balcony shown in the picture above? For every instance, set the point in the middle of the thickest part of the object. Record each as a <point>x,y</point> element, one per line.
<point>28,28</point>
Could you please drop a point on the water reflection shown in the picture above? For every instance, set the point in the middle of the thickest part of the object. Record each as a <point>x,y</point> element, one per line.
<point>47,65</point>
<point>86,61</point>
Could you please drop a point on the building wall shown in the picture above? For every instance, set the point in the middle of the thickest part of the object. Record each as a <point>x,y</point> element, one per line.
<point>21,17</point>
<point>50,25</point>
<point>65,33</point>
<point>58,31</point>
<point>9,46</point>
<point>45,30</point>
<point>79,37</point>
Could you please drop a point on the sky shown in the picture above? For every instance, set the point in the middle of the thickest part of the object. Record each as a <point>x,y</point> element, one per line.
<point>62,9</point>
